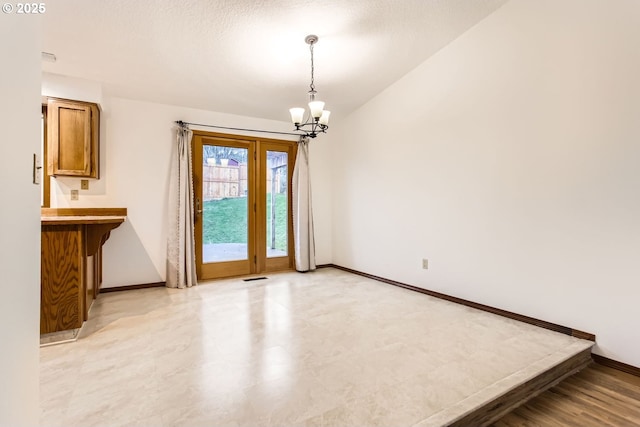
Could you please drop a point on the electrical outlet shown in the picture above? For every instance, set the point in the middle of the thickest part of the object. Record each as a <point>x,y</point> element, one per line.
<point>84,184</point>
<point>425,263</point>
<point>74,194</point>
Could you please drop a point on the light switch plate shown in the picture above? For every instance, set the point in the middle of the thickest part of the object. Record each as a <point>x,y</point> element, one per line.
<point>84,184</point>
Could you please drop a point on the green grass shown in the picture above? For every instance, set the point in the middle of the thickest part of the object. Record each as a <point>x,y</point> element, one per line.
<point>225,221</point>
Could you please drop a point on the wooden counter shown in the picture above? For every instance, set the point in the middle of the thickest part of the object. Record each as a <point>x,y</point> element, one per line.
<point>71,263</point>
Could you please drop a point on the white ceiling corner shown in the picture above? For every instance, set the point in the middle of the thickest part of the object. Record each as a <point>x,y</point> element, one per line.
<point>248,57</point>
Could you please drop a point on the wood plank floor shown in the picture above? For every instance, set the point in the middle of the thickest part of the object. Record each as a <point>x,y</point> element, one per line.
<point>597,396</point>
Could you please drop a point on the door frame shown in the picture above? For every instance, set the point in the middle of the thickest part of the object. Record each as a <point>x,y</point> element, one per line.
<point>266,264</point>
<point>257,261</point>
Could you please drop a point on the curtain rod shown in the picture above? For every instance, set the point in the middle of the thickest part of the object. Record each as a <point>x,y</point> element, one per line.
<point>184,124</point>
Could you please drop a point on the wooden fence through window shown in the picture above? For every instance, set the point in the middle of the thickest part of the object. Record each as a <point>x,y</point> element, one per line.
<point>222,182</point>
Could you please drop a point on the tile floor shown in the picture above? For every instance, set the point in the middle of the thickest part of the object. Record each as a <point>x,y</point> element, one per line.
<point>326,348</point>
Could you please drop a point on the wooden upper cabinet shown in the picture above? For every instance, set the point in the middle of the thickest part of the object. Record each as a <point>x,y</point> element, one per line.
<point>73,139</point>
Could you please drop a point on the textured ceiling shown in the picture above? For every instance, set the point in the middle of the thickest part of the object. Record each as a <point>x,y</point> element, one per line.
<point>249,56</point>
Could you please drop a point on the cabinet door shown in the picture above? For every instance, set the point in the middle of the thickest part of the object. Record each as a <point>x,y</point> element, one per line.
<point>73,138</point>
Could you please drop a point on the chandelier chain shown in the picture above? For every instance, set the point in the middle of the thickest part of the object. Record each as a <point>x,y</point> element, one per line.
<point>312,85</point>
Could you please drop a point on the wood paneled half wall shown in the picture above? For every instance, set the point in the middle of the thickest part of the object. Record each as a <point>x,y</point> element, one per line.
<point>71,263</point>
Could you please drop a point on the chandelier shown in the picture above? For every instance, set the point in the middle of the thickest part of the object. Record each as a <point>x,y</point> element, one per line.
<point>318,118</point>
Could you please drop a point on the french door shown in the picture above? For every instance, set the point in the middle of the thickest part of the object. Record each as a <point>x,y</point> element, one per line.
<point>243,221</point>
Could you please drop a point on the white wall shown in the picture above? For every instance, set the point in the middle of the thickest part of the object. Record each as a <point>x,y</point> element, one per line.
<point>511,160</point>
<point>321,169</point>
<point>59,86</point>
<point>19,220</point>
<point>136,147</point>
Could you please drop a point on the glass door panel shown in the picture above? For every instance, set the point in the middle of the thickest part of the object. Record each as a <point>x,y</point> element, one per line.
<point>277,202</point>
<point>225,206</point>
<point>275,242</point>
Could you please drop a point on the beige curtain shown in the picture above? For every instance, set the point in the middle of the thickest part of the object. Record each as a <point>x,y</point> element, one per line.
<point>304,243</point>
<point>181,259</point>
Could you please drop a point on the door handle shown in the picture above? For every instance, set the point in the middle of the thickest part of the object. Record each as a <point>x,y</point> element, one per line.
<point>198,209</point>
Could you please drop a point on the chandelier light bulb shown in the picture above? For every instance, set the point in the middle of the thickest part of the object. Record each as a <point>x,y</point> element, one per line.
<point>324,118</point>
<point>297,114</point>
<point>316,108</point>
